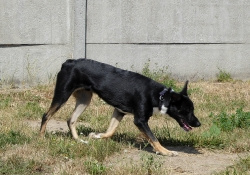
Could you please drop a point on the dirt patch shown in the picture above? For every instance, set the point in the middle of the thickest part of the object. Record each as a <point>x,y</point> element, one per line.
<point>188,161</point>
<point>52,126</point>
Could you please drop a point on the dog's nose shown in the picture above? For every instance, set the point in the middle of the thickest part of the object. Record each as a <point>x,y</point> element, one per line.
<point>195,123</point>
<point>198,124</point>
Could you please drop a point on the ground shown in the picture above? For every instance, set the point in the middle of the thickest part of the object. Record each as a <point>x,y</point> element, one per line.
<point>189,160</point>
<point>221,141</point>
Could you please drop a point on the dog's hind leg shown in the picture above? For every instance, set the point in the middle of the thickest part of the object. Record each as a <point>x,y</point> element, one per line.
<point>52,110</point>
<point>58,101</point>
<point>83,99</point>
<point>115,120</point>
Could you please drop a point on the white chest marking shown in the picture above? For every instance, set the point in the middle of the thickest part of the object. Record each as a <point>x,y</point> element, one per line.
<point>164,109</point>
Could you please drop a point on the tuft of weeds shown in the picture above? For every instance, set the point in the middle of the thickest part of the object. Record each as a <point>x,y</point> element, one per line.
<point>13,138</point>
<point>159,75</point>
<point>225,130</point>
<point>228,122</point>
<point>95,168</point>
<point>223,76</point>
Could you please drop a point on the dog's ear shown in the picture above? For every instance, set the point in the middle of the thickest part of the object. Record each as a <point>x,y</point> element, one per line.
<point>175,96</point>
<point>184,90</point>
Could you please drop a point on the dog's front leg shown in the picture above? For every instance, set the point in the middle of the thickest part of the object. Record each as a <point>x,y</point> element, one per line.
<point>115,120</point>
<point>144,128</point>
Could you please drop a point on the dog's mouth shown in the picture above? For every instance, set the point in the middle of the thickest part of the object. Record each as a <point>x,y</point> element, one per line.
<point>185,126</point>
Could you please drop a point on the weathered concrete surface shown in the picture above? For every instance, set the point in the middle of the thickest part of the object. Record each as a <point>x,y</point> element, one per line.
<point>194,39</point>
<point>35,22</point>
<point>35,38</point>
<point>183,61</point>
<point>168,21</point>
<point>31,64</point>
<point>79,28</point>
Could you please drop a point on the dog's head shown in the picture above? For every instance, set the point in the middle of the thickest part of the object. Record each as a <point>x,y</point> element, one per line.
<point>180,107</point>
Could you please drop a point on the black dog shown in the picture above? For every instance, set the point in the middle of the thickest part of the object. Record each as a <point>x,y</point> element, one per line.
<point>127,91</point>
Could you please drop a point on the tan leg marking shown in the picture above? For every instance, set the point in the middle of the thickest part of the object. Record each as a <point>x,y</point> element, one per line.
<point>83,99</point>
<point>115,120</point>
<point>49,114</point>
<point>159,149</point>
<point>72,121</point>
<point>163,151</point>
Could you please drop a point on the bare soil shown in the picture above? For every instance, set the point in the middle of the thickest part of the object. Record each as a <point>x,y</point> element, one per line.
<point>189,160</point>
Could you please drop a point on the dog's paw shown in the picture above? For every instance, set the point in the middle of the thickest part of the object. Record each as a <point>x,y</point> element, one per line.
<point>173,153</point>
<point>83,141</point>
<point>167,153</point>
<point>95,135</point>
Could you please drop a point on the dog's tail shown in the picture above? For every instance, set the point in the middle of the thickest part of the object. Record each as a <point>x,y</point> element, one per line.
<point>63,90</point>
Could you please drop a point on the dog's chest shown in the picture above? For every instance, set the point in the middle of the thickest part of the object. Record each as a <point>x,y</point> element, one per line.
<point>163,110</point>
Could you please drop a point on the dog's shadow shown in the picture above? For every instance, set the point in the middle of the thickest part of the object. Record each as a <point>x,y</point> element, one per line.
<point>142,144</point>
<point>178,149</point>
<point>178,146</point>
<point>186,146</point>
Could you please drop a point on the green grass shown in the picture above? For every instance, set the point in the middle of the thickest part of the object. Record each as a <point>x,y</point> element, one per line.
<point>228,122</point>
<point>95,167</point>
<point>13,137</point>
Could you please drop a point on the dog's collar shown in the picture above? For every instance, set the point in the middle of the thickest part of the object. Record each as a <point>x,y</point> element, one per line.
<point>162,93</point>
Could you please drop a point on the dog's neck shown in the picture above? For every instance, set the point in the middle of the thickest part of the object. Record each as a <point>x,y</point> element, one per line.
<point>163,108</point>
<point>162,93</point>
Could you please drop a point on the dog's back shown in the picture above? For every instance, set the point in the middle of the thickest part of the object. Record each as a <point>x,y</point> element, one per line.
<point>114,85</point>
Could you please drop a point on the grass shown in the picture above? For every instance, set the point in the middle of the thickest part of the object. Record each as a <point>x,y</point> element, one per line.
<point>223,109</point>
<point>18,165</point>
<point>223,76</point>
<point>13,138</point>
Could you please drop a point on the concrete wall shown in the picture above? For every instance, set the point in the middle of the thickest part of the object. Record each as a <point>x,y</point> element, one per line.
<point>35,38</point>
<point>192,38</point>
